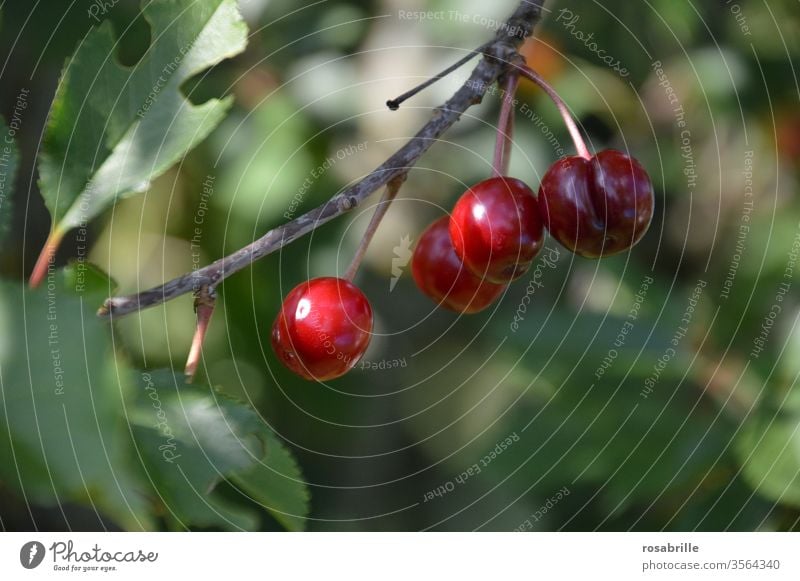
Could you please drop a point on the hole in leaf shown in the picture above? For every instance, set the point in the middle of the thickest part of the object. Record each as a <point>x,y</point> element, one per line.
<point>132,33</point>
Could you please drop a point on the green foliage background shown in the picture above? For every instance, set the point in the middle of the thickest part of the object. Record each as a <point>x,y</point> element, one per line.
<point>585,400</point>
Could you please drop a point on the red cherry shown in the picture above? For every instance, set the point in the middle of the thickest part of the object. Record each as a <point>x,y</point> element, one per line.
<point>441,275</point>
<point>496,230</point>
<point>323,328</point>
<point>599,206</point>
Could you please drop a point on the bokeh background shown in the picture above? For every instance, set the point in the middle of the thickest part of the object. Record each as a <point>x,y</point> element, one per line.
<point>652,390</point>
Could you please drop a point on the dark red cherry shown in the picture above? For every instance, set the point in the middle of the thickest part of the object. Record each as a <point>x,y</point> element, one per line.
<point>441,275</point>
<point>496,229</point>
<point>323,328</point>
<point>599,206</point>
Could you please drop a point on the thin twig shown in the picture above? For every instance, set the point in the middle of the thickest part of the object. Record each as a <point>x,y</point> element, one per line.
<point>497,60</point>
<point>389,195</point>
<point>394,104</point>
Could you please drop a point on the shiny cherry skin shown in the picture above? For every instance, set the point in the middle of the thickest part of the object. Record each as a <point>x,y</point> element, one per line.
<point>496,229</point>
<point>323,328</point>
<point>441,275</point>
<point>599,206</point>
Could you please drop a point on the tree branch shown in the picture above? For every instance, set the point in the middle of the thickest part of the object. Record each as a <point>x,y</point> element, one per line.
<point>498,57</point>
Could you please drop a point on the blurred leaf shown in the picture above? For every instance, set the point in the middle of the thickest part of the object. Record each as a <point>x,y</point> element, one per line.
<point>789,362</point>
<point>619,404</point>
<point>769,449</point>
<point>576,428</point>
<point>112,129</point>
<point>341,26</point>
<point>769,31</point>
<point>718,74</point>
<point>326,84</point>
<point>269,163</point>
<point>61,438</point>
<point>592,90</point>
<point>675,21</point>
<point>8,172</point>
<point>558,349</point>
<point>86,278</point>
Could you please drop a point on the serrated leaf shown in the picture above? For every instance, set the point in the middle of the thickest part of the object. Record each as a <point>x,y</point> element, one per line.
<point>67,413</point>
<point>185,483</point>
<point>191,439</point>
<point>8,171</point>
<point>112,129</point>
<point>276,483</point>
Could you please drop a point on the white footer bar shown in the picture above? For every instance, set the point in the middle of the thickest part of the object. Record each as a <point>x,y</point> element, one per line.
<point>401,556</point>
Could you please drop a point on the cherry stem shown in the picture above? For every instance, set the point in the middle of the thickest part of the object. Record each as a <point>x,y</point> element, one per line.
<point>505,128</point>
<point>204,308</point>
<point>394,104</point>
<point>580,145</point>
<point>390,193</point>
<point>46,257</point>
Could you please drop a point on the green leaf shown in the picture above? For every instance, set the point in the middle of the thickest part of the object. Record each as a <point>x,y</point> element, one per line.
<point>73,430</point>
<point>644,409</point>
<point>276,483</point>
<point>584,419</point>
<point>191,440</point>
<point>112,129</point>
<point>86,278</point>
<point>554,343</point>
<point>62,437</point>
<point>67,414</point>
<point>269,162</point>
<point>8,172</point>
<point>769,449</point>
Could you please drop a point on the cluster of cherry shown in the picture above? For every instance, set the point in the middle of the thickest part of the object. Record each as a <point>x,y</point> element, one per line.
<point>593,205</point>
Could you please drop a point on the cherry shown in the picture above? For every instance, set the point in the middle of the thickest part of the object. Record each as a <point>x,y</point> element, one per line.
<point>496,229</point>
<point>323,328</point>
<point>599,206</point>
<point>441,275</point>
